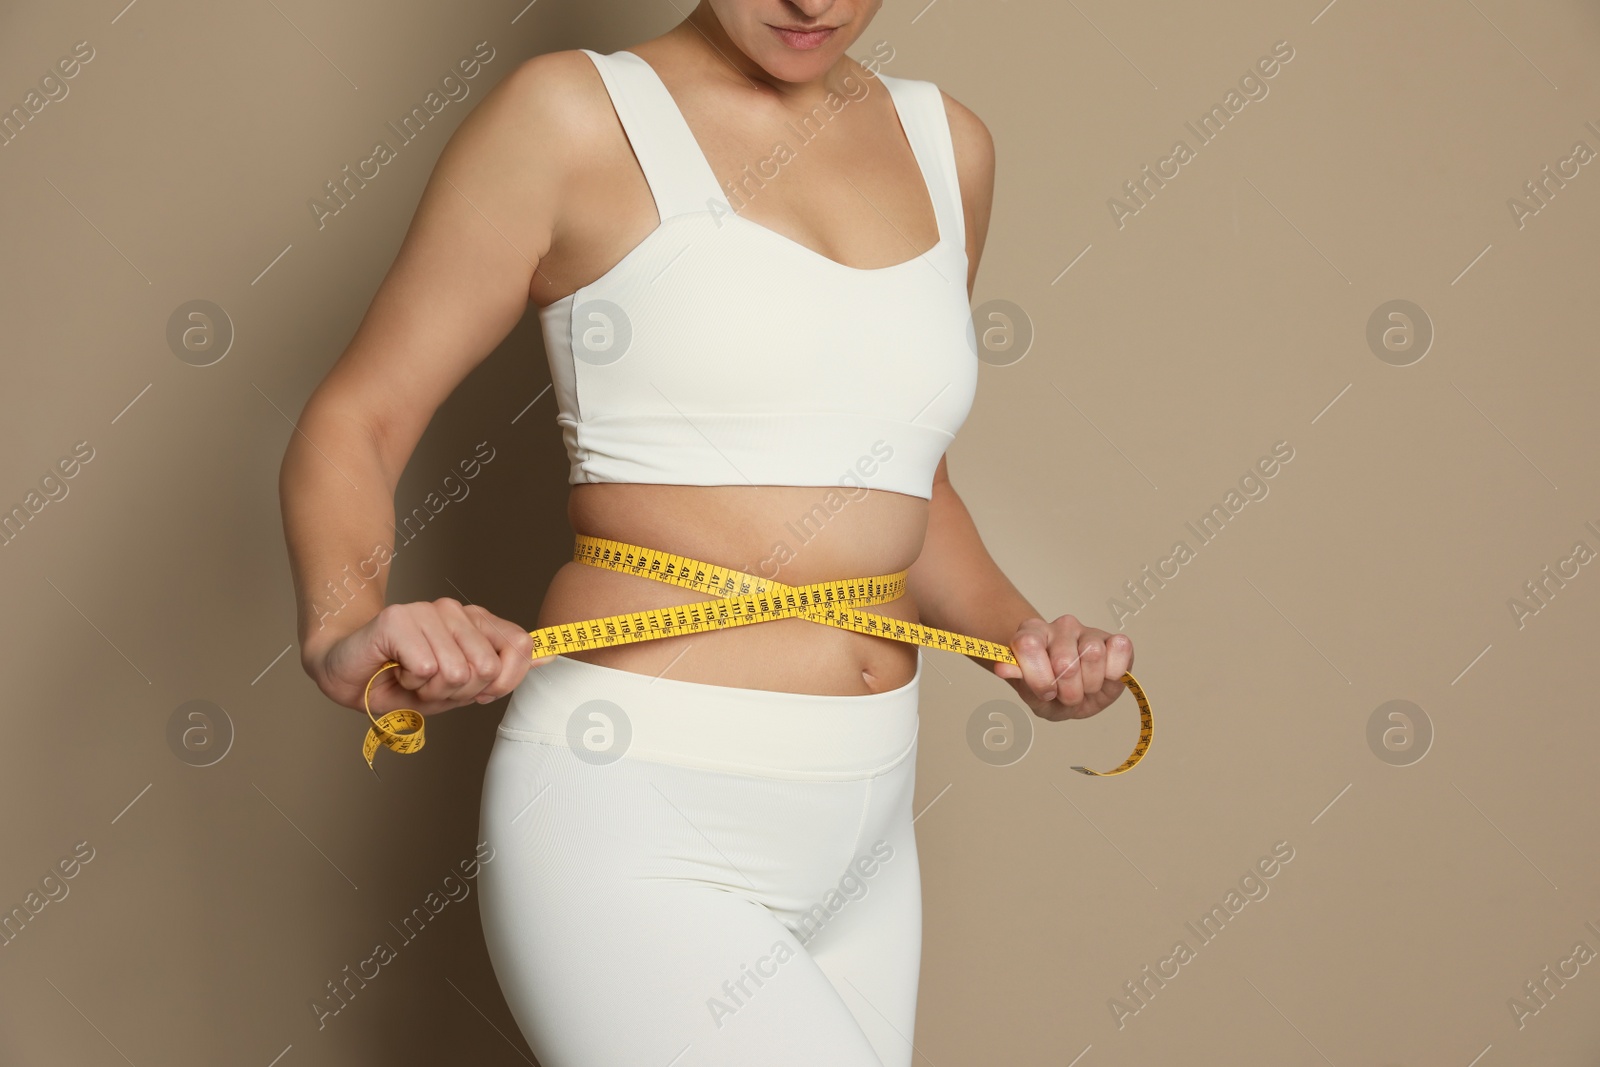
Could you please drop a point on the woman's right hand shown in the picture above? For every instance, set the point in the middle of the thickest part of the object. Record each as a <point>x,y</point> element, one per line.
<point>450,655</point>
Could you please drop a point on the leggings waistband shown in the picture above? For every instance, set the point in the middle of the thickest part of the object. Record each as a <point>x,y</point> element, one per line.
<point>754,731</point>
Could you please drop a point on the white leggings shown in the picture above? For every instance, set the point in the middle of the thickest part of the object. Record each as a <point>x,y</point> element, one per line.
<point>687,874</point>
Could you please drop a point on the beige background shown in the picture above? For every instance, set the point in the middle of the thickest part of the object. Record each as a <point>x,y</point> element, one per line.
<point>1229,313</point>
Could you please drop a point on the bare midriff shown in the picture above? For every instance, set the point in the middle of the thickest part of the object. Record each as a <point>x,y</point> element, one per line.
<point>792,534</point>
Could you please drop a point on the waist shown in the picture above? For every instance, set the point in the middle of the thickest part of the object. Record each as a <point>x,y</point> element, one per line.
<point>793,534</point>
<point>781,533</point>
<point>793,655</point>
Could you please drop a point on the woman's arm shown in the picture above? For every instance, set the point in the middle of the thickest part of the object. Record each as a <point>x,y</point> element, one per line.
<point>956,583</point>
<point>1066,670</point>
<point>458,285</point>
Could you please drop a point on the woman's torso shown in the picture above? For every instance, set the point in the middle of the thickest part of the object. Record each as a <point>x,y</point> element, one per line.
<point>855,195</point>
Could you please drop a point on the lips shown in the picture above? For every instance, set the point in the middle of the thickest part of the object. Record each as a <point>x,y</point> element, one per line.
<point>803,39</point>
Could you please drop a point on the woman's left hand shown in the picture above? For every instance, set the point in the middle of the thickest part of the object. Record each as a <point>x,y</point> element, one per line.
<point>1067,670</point>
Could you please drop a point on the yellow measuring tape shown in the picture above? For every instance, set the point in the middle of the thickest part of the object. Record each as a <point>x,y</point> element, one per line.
<point>742,599</point>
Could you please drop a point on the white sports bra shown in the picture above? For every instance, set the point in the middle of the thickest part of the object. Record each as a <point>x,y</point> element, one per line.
<point>720,352</point>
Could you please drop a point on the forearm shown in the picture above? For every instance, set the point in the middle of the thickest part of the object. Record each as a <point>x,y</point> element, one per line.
<point>956,583</point>
<point>337,499</point>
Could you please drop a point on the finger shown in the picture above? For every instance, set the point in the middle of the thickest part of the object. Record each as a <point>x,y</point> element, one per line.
<point>514,646</point>
<point>513,666</point>
<point>1092,660</point>
<point>518,638</point>
<point>480,646</point>
<point>406,641</point>
<point>1119,656</point>
<point>399,636</point>
<point>502,633</point>
<point>1031,647</point>
<point>1066,667</point>
<point>453,669</point>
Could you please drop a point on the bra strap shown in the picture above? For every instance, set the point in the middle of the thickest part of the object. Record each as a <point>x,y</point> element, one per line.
<point>680,179</point>
<point>921,109</point>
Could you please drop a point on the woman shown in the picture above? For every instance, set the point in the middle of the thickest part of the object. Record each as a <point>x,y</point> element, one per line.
<point>753,261</point>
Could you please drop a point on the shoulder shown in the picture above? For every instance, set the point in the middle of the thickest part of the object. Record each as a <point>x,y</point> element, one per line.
<point>549,119</point>
<point>554,94</point>
<point>973,149</point>
<point>974,146</point>
<point>969,137</point>
<point>530,142</point>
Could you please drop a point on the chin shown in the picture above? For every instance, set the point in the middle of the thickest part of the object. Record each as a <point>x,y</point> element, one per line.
<point>787,65</point>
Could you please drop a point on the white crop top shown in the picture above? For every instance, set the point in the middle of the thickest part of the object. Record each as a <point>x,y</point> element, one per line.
<point>720,352</point>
